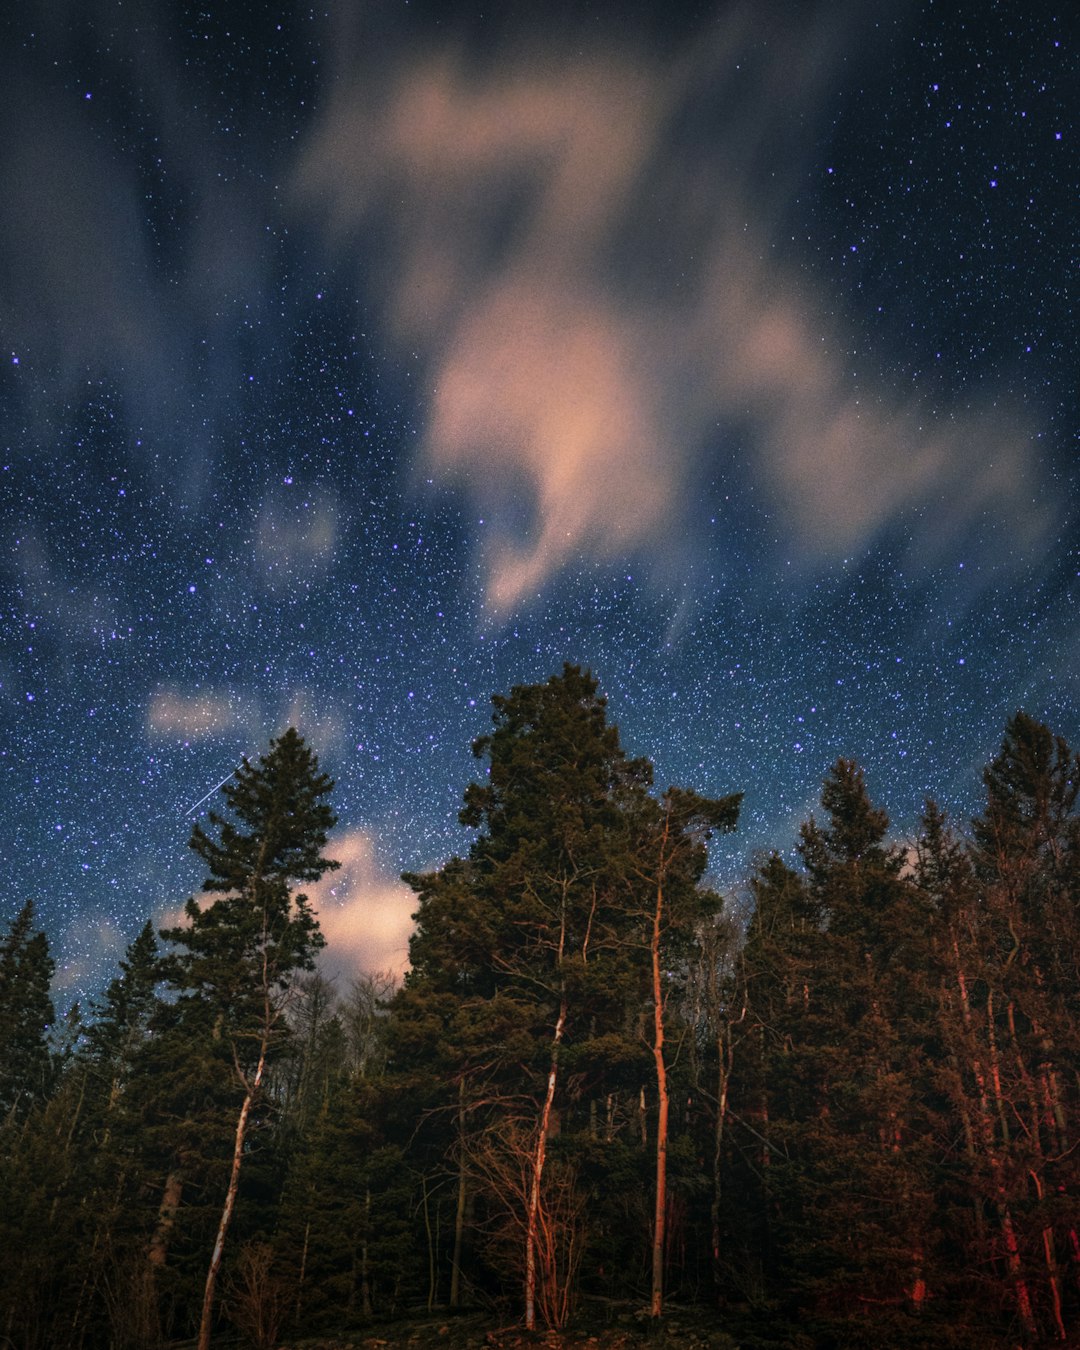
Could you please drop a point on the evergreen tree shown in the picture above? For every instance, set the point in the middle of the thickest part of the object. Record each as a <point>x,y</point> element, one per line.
<point>26,1016</point>
<point>844,1024</point>
<point>66,1171</point>
<point>543,969</point>
<point>518,942</point>
<point>123,1013</point>
<point>237,958</point>
<point>1023,944</point>
<point>346,1231</point>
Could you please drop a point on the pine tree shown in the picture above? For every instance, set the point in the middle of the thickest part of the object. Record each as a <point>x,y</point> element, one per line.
<point>667,871</point>
<point>519,964</point>
<point>69,1175</point>
<point>26,1016</point>
<point>544,970</point>
<point>1025,927</point>
<point>843,1027</point>
<point>122,1014</point>
<point>236,959</point>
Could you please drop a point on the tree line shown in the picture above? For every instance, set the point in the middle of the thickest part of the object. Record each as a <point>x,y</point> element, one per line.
<point>840,1110</point>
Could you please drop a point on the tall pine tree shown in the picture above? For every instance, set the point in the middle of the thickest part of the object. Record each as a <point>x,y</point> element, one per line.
<point>236,959</point>
<point>26,1015</point>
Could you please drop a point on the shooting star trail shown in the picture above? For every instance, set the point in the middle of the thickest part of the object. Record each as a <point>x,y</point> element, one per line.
<point>212,791</point>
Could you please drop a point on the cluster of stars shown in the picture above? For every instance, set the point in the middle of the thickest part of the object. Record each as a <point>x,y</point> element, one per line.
<point>242,532</point>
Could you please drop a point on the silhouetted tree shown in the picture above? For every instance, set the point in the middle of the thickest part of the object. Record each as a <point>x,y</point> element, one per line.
<point>26,1015</point>
<point>237,957</point>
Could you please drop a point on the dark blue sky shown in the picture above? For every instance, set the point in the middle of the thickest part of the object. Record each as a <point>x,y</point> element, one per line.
<point>356,368</point>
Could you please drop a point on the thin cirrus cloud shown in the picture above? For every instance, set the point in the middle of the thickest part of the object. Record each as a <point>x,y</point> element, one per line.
<point>585,241</point>
<point>67,200</point>
<point>86,944</point>
<point>193,716</point>
<point>295,536</point>
<point>584,249</point>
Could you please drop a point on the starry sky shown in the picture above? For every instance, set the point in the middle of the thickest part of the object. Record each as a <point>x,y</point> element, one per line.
<point>360,361</point>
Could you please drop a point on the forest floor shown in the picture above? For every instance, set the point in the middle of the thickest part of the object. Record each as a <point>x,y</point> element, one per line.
<point>627,1331</point>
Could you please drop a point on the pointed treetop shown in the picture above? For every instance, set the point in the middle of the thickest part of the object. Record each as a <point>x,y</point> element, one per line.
<point>856,830</point>
<point>1031,790</point>
<point>283,820</point>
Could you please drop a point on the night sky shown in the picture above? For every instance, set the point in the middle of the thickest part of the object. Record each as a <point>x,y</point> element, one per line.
<point>363,360</point>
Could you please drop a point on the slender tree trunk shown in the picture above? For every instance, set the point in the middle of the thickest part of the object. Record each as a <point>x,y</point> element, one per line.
<point>303,1269</point>
<point>656,1304</point>
<point>539,1154</point>
<point>206,1321</point>
<point>1052,1270</point>
<point>432,1288</point>
<point>166,1219</point>
<point>459,1212</point>
<point>365,1278</point>
<point>723,1073</point>
<point>997,1170</point>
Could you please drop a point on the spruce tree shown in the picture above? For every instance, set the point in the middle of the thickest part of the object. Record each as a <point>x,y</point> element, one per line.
<point>834,955</point>
<point>514,967</point>
<point>1022,1013</point>
<point>238,956</point>
<point>26,1016</point>
<point>542,980</point>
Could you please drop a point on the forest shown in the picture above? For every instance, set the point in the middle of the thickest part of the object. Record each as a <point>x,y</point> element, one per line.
<point>840,1108</point>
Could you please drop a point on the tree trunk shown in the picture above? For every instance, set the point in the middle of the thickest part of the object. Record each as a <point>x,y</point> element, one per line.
<point>459,1212</point>
<point>433,1277</point>
<point>303,1269</point>
<point>1013,1260</point>
<point>206,1321</point>
<point>365,1278</point>
<point>656,1305</point>
<point>166,1219</point>
<point>723,1074</point>
<point>539,1155</point>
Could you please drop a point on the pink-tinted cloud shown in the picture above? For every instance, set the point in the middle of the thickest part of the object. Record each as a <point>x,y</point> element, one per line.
<point>598,294</point>
<point>194,715</point>
<point>365,913</point>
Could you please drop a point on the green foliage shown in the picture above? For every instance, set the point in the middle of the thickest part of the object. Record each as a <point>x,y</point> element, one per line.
<point>247,946</point>
<point>832,975</point>
<point>531,986</point>
<point>26,1016</point>
<point>874,1106</point>
<point>123,1014</point>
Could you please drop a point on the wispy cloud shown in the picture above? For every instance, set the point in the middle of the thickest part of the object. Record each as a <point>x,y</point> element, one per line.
<point>365,913</point>
<point>77,291</point>
<point>195,715</point>
<point>295,535</point>
<point>89,944</point>
<point>585,245</point>
<point>585,239</point>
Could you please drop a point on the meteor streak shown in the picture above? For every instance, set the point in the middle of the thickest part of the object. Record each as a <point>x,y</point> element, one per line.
<point>212,791</point>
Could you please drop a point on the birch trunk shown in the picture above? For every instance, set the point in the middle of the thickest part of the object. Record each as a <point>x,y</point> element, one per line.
<point>207,1319</point>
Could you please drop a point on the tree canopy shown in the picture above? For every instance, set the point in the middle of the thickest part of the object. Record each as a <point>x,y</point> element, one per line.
<point>836,1107</point>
